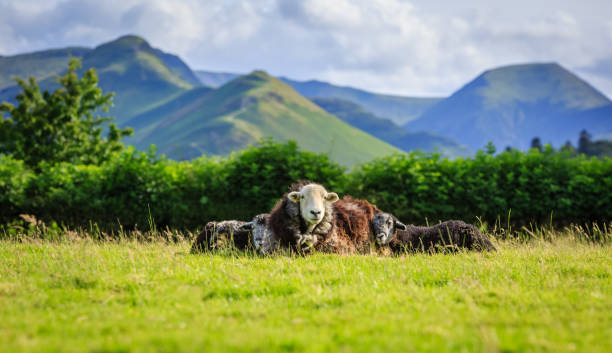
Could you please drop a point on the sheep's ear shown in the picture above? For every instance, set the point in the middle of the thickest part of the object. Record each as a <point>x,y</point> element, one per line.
<point>294,196</point>
<point>246,226</point>
<point>331,197</point>
<point>399,225</point>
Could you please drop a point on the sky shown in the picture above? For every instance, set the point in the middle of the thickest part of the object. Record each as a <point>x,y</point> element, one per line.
<point>414,48</point>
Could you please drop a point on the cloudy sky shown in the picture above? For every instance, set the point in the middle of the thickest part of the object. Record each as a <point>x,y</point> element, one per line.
<point>413,47</point>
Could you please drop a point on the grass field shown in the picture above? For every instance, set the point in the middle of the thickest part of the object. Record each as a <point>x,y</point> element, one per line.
<point>128,296</point>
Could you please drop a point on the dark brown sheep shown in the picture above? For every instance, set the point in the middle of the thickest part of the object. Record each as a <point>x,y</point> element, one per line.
<point>344,226</point>
<point>289,226</point>
<point>449,235</point>
<point>221,234</point>
<point>352,232</point>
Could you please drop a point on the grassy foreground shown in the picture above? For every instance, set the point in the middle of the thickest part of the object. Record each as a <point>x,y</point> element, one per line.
<point>85,296</point>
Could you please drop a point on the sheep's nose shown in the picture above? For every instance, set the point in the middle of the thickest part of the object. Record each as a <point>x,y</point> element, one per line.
<point>315,213</point>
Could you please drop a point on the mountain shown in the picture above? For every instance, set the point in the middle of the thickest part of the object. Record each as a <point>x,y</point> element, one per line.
<point>250,107</point>
<point>142,77</point>
<point>41,65</point>
<point>511,105</point>
<point>397,108</point>
<point>386,130</point>
<point>215,79</point>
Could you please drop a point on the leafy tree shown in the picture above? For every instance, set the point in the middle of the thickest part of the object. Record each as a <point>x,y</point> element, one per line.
<point>536,143</point>
<point>63,126</point>
<point>584,142</point>
<point>490,148</point>
<point>567,147</point>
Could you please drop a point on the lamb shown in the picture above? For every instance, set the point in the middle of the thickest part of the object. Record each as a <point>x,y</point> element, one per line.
<point>264,240</point>
<point>450,235</point>
<point>221,234</point>
<point>309,217</point>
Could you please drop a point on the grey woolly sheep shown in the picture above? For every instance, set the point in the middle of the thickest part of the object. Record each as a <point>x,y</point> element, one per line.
<point>388,230</point>
<point>221,234</point>
<point>263,239</point>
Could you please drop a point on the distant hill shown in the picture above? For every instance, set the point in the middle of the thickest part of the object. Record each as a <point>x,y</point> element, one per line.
<point>215,79</point>
<point>510,105</point>
<point>397,108</point>
<point>41,65</point>
<point>388,131</point>
<point>241,112</point>
<point>141,76</point>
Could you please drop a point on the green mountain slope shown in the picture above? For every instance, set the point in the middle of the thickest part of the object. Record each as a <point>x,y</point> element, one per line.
<point>215,79</point>
<point>388,131</point>
<point>241,112</point>
<point>142,77</point>
<point>41,65</point>
<point>397,108</point>
<point>511,105</point>
<point>138,74</point>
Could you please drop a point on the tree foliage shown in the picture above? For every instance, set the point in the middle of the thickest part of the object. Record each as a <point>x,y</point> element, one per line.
<point>63,126</point>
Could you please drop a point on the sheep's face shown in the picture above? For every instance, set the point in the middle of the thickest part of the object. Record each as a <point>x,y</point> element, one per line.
<point>384,226</point>
<point>259,229</point>
<point>312,199</point>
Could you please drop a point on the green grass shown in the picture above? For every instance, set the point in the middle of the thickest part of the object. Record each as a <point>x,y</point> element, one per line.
<point>127,296</point>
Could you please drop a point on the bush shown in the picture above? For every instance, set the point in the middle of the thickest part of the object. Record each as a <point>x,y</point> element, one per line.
<point>530,187</point>
<point>135,188</point>
<point>14,178</point>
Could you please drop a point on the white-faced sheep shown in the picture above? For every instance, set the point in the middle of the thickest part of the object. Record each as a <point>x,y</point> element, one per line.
<point>451,235</point>
<point>221,234</point>
<point>303,215</point>
<point>310,217</point>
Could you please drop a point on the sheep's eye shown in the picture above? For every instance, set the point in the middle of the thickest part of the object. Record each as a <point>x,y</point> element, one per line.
<point>302,197</point>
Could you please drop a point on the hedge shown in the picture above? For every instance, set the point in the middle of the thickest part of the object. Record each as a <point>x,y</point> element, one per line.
<point>134,187</point>
<point>525,187</point>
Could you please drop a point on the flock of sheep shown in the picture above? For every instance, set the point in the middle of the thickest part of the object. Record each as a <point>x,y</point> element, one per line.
<point>309,218</point>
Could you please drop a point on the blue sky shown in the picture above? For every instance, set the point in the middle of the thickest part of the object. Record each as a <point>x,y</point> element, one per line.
<point>423,48</point>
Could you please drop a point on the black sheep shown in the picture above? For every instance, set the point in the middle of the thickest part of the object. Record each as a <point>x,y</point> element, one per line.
<point>449,235</point>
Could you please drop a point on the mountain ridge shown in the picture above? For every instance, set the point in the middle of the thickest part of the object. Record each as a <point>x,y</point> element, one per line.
<point>388,131</point>
<point>512,104</point>
<point>399,109</point>
<point>246,109</point>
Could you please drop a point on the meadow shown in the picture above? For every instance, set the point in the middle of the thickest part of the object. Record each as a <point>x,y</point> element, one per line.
<point>552,293</point>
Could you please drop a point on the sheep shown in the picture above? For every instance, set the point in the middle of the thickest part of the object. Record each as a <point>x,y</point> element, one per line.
<point>352,227</point>
<point>303,215</point>
<point>221,234</point>
<point>263,239</point>
<point>450,235</point>
<point>309,217</point>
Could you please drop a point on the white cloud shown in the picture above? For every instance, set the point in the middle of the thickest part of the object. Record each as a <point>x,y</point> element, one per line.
<point>417,47</point>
